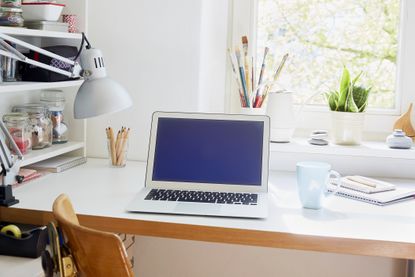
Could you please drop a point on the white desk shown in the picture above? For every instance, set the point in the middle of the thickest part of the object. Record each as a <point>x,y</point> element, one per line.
<point>100,195</point>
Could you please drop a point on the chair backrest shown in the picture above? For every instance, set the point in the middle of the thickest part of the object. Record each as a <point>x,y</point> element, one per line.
<point>96,253</point>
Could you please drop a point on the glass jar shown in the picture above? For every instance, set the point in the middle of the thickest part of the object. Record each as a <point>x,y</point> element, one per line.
<point>19,128</point>
<point>55,101</point>
<point>9,67</point>
<point>12,17</point>
<point>12,3</point>
<point>40,123</point>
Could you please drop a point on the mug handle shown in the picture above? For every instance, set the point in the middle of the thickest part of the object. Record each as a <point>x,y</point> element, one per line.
<point>336,183</point>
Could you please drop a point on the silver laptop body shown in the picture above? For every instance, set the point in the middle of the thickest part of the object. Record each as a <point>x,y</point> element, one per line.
<point>206,164</point>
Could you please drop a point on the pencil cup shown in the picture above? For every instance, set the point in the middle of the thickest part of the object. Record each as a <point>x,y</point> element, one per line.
<point>117,153</point>
<point>253,111</point>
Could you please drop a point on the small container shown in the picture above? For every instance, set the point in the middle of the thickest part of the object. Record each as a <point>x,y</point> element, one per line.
<point>40,123</point>
<point>42,11</point>
<point>118,153</point>
<point>11,17</point>
<point>9,68</point>
<point>399,140</point>
<point>55,101</point>
<point>19,128</point>
<point>11,4</point>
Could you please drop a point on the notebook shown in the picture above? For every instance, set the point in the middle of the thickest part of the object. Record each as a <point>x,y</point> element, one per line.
<point>206,164</point>
<point>380,198</point>
<point>365,184</point>
<point>58,164</point>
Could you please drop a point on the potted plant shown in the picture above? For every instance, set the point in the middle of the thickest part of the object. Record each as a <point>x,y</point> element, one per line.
<point>348,107</point>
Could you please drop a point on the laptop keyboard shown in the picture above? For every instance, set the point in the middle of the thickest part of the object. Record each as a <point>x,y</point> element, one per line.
<point>203,197</point>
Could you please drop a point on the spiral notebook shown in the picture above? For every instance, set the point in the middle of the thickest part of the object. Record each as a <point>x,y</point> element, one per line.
<point>380,198</point>
<point>58,164</point>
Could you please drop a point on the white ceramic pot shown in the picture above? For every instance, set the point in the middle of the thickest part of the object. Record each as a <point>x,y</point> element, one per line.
<point>252,111</point>
<point>283,119</point>
<point>347,128</point>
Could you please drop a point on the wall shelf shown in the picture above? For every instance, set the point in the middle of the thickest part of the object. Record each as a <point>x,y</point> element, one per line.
<point>28,86</point>
<point>15,31</point>
<point>55,150</point>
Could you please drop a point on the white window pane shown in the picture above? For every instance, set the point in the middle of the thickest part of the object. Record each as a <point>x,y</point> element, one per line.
<point>323,35</point>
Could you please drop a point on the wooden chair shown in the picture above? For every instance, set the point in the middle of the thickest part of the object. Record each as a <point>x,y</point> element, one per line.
<point>96,253</point>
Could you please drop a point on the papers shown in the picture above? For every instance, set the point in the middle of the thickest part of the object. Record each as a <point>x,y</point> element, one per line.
<point>58,164</point>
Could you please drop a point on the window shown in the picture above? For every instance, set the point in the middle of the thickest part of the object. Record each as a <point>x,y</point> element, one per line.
<point>373,36</point>
<point>323,35</point>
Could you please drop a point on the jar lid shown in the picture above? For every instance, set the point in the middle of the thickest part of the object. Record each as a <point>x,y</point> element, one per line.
<point>13,10</point>
<point>52,96</point>
<point>15,117</point>
<point>31,108</point>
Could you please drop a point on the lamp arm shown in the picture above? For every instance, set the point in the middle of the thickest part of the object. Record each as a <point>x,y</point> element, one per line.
<point>12,142</point>
<point>15,54</point>
<point>35,48</point>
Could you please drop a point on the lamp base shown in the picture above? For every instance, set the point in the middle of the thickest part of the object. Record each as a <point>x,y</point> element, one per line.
<point>6,196</point>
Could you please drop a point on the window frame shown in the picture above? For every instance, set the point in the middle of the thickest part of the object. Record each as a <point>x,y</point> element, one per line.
<point>378,122</point>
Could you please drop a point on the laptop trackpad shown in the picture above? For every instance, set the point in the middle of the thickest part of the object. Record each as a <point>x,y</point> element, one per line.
<point>197,208</point>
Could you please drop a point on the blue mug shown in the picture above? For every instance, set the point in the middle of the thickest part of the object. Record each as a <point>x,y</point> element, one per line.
<point>312,180</point>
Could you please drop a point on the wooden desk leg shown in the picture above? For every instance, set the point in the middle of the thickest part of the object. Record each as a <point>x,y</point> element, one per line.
<point>411,269</point>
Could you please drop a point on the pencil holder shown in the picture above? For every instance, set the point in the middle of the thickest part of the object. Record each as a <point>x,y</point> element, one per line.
<point>118,153</point>
<point>253,111</point>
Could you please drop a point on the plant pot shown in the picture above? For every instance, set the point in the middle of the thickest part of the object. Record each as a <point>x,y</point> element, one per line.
<point>347,128</point>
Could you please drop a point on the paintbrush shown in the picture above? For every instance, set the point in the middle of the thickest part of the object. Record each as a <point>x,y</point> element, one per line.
<point>261,75</point>
<point>236,76</point>
<point>276,75</point>
<point>246,61</point>
<point>242,74</point>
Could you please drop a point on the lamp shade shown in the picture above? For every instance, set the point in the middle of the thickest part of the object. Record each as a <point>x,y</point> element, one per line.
<point>100,96</point>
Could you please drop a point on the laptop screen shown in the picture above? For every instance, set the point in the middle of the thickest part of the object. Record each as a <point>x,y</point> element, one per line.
<point>209,151</point>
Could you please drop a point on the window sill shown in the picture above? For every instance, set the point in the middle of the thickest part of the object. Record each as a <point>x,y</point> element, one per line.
<point>373,149</point>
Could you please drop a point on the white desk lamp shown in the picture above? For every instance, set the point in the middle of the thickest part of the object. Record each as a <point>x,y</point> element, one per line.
<point>97,95</point>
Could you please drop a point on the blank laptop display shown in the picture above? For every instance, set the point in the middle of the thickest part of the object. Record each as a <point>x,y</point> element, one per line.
<point>208,151</point>
<point>206,164</point>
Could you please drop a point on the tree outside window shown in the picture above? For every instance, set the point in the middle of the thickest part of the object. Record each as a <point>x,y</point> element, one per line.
<point>323,35</point>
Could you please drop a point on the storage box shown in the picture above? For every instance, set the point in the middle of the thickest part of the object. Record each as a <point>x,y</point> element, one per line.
<point>47,26</point>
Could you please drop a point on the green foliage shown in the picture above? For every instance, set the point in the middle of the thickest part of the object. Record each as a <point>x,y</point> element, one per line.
<point>323,35</point>
<point>350,98</point>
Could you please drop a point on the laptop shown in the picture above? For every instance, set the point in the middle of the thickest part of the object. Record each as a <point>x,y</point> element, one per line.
<point>206,164</point>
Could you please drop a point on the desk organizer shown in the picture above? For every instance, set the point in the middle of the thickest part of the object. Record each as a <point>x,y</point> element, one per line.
<point>31,245</point>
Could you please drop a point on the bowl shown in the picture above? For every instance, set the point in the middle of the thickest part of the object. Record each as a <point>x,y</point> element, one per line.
<point>42,11</point>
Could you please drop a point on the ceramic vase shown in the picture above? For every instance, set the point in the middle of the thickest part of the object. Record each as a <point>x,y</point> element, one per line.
<point>347,128</point>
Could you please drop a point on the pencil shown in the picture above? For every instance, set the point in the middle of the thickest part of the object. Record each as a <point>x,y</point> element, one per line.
<point>112,145</point>
<point>121,157</point>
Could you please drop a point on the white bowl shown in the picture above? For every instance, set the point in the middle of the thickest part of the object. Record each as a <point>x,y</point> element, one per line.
<point>42,11</point>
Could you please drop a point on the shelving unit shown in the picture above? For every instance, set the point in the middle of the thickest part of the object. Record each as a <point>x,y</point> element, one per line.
<point>24,32</point>
<point>13,93</point>
<point>28,86</point>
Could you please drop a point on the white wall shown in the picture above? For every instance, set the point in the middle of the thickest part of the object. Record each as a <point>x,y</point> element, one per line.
<point>152,48</point>
<point>167,53</point>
